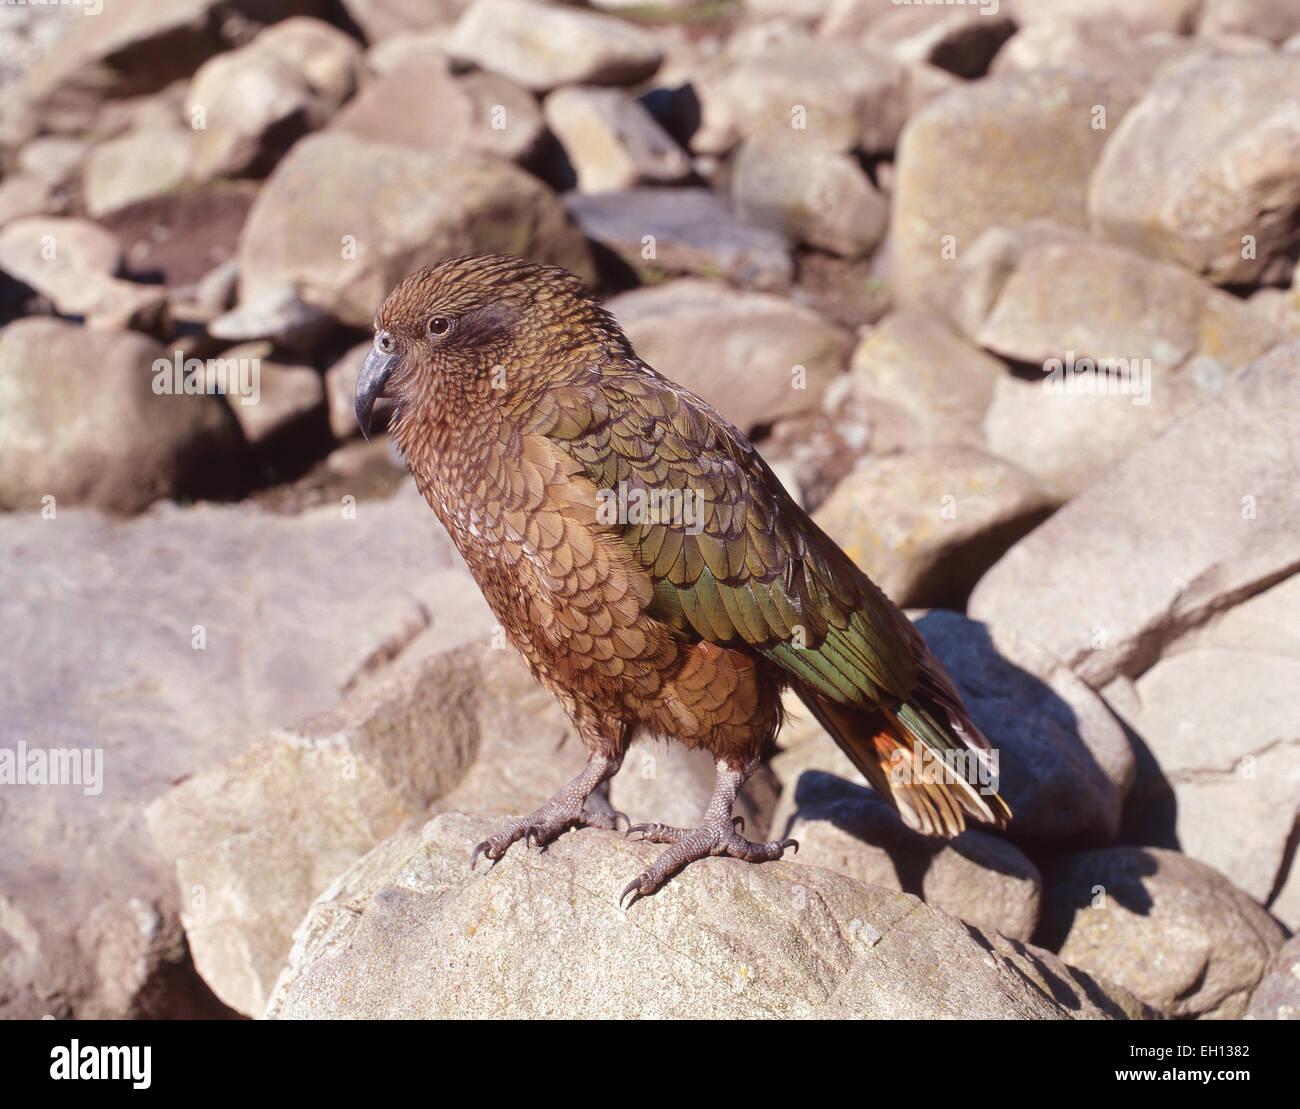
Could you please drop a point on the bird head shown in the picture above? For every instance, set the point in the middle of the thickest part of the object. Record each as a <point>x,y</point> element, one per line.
<point>474,326</point>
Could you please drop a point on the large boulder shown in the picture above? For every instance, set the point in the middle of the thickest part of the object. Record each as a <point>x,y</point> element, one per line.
<point>263,834</point>
<point>410,931</point>
<point>1177,934</point>
<point>1021,146</point>
<point>1219,766</point>
<point>81,422</point>
<point>345,239</point>
<point>180,662</point>
<point>754,356</point>
<point>665,231</point>
<point>1184,527</point>
<point>925,524</point>
<point>255,102</point>
<point>543,46</point>
<point>1205,171</point>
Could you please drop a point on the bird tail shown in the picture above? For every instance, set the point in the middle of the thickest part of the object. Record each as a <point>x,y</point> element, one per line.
<point>925,756</point>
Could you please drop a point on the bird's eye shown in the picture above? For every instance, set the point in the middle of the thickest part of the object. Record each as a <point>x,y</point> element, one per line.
<point>439,325</point>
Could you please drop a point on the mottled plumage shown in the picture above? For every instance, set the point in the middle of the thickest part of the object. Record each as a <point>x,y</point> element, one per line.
<point>643,558</point>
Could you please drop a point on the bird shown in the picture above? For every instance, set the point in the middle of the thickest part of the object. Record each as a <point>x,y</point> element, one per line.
<point>648,565</point>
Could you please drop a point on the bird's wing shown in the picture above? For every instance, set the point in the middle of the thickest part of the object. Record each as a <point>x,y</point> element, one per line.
<point>733,559</point>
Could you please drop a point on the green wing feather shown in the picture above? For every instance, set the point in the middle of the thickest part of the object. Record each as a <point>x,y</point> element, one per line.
<point>738,561</point>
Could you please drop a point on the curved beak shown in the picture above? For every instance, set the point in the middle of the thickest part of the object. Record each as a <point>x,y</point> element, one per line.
<point>375,372</point>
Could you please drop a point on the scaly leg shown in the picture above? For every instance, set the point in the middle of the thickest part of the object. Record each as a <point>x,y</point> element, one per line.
<point>716,835</point>
<point>567,809</point>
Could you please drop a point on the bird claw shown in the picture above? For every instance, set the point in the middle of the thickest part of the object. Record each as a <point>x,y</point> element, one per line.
<point>483,848</point>
<point>738,822</point>
<point>634,888</point>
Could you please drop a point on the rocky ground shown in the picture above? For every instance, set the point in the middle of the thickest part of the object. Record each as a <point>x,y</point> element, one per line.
<point>875,235</point>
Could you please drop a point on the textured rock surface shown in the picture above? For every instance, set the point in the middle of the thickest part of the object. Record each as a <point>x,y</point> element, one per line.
<point>926,524</point>
<point>346,240</point>
<point>180,662</point>
<point>1022,147</point>
<point>739,351</point>
<point>1187,548</point>
<point>540,935</point>
<point>1177,934</point>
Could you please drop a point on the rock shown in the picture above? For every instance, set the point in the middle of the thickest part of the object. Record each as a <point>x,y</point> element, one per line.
<point>420,103</point>
<point>849,291</point>
<point>72,261</point>
<point>542,47</point>
<point>676,231</point>
<point>286,399</point>
<point>924,525</point>
<point>1108,47</point>
<point>22,194</point>
<point>960,40</point>
<point>1280,308</point>
<point>843,95</point>
<point>177,239</point>
<point>383,20</point>
<point>1273,20</point>
<point>612,141</point>
<point>914,361</point>
<point>1277,997</point>
<point>1187,548</point>
<point>847,828</point>
<point>345,241</point>
<point>255,102</point>
<point>435,939</point>
<point>1218,197</point>
<point>39,247</point>
<point>1022,146</point>
<point>1177,934</point>
<point>1219,775</point>
<point>1111,379</point>
<point>753,356</point>
<point>277,313</point>
<point>81,423</point>
<point>125,51</point>
<point>136,167</point>
<point>181,662</point>
<point>1137,16</point>
<point>1065,763</point>
<point>341,391</point>
<point>107,304</point>
<point>54,159</point>
<point>265,833</point>
<point>818,197</point>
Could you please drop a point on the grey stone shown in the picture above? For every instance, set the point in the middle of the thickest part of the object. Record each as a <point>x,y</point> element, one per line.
<point>345,240</point>
<point>541,46</point>
<point>741,351</point>
<point>541,935</point>
<point>677,231</point>
<point>1204,171</point>
<point>1149,552</point>
<point>1175,933</point>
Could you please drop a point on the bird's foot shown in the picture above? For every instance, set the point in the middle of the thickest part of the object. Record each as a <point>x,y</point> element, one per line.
<point>715,837</point>
<point>567,809</point>
<point>666,833</point>
<point>542,827</point>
